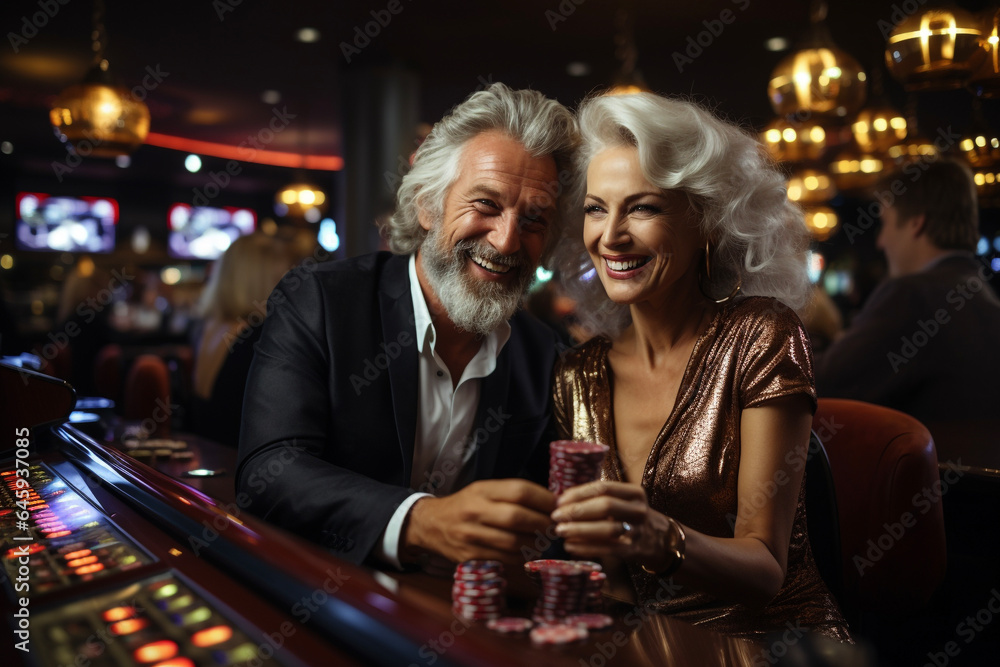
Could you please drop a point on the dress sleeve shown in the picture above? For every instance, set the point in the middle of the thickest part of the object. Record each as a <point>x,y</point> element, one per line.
<point>778,359</point>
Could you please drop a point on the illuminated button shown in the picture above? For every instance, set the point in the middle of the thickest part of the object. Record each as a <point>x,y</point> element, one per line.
<point>89,569</point>
<point>212,636</point>
<point>118,614</point>
<point>178,603</point>
<point>165,591</point>
<point>155,651</point>
<point>175,662</point>
<point>199,615</point>
<point>129,626</point>
<point>77,554</point>
<point>60,533</point>
<point>80,562</point>
<point>242,653</point>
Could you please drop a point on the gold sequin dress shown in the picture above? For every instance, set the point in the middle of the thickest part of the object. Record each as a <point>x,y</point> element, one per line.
<point>753,350</point>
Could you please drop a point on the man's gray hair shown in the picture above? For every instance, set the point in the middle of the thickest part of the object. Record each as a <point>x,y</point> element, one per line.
<point>543,126</point>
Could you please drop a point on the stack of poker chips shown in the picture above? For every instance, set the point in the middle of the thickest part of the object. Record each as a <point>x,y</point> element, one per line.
<point>593,600</point>
<point>564,591</point>
<point>573,462</point>
<point>478,591</point>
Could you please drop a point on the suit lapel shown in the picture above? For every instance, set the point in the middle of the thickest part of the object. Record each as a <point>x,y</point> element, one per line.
<point>492,401</point>
<point>396,307</point>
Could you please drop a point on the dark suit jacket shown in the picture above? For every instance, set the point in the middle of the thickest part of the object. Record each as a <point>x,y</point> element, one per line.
<point>329,416</point>
<point>924,344</point>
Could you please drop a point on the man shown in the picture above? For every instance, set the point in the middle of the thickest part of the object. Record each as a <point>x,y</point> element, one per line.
<point>925,341</point>
<point>383,385</point>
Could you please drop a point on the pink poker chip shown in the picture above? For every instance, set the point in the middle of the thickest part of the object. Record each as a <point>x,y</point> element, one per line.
<point>509,625</point>
<point>558,634</point>
<point>479,567</point>
<point>590,621</point>
<point>577,447</point>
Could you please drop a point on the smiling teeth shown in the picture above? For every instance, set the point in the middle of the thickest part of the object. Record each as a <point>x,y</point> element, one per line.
<point>488,265</point>
<point>625,266</point>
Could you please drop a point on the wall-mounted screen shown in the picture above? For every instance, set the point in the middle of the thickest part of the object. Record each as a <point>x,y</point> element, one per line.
<point>204,232</point>
<point>56,223</point>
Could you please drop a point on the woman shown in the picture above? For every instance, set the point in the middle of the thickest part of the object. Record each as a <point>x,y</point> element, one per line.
<point>703,392</point>
<point>233,307</point>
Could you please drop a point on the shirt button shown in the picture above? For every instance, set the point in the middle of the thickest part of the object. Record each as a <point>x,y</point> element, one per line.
<point>440,374</point>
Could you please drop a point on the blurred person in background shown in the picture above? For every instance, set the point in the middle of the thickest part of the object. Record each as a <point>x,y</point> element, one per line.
<point>82,323</point>
<point>924,342</point>
<point>232,309</point>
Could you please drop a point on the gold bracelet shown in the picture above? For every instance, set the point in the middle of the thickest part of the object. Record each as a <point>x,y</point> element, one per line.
<point>680,544</point>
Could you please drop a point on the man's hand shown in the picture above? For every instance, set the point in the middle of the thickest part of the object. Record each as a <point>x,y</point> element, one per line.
<point>489,519</point>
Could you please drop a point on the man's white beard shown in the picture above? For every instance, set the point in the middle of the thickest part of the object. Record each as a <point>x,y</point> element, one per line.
<point>477,306</point>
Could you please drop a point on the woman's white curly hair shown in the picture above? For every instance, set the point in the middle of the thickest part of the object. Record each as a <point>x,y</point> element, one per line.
<point>541,125</point>
<point>758,235</point>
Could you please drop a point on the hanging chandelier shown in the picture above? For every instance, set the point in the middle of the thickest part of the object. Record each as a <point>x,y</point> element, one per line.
<point>821,221</point>
<point>98,116</point>
<point>787,141</point>
<point>819,78</point>
<point>810,186</point>
<point>936,49</point>
<point>985,81</point>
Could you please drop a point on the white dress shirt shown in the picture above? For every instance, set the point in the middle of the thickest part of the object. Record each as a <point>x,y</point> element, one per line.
<point>442,450</point>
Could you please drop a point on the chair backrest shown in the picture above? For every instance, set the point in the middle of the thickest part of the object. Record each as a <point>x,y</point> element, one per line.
<point>823,517</point>
<point>885,473</point>
<point>147,395</point>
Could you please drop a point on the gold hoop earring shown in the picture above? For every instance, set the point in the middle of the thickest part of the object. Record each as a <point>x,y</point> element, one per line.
<point>708,277</point>
<point>732,295</point>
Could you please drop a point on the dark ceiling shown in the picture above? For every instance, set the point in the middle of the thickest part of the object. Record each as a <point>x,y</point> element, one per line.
<point>217,57</point>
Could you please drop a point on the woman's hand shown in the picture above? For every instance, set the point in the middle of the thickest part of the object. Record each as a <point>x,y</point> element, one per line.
<point>614,519</point>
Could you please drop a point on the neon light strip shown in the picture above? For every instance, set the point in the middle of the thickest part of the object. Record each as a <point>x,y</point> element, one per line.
<point>246,153</point>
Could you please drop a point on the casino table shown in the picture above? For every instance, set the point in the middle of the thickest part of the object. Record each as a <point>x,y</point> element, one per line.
<point>108,561</point>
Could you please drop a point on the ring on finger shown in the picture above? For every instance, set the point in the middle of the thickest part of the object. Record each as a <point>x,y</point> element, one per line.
<point>627,532</point>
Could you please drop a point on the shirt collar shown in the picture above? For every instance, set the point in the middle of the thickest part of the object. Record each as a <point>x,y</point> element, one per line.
<point>492,345</point>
